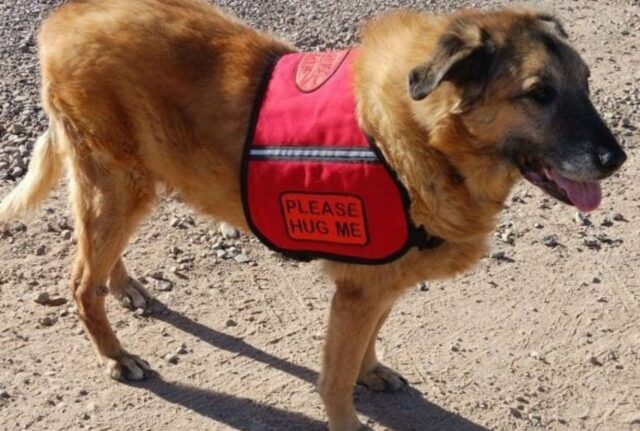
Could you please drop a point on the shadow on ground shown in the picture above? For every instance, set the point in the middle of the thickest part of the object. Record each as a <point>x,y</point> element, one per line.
<point>401,411</point>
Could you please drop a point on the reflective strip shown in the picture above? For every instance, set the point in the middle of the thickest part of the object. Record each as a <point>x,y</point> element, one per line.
<point>315,153</point>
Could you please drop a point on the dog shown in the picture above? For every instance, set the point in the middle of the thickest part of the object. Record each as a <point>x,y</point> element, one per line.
<point>161,92</point>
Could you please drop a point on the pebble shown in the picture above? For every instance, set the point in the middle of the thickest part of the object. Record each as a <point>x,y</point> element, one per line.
<point>591,242</point>
<point>595,361</point>
<point>550,241</point>
<point>498,255</point>
<point>619,217</point>
<point>40,250</point>
<point>163,285</point>
<point>423,286</point>
<point>4,394</point>
<point>17,129</point>
<point>232,323</point>
<point>515,412</point>
<point>47,321</point>
<point>66,235</point>
<point>171,358</point>
<point>182,350</point>
<point>606,223</point>
<point>582,219</point>
<point>242,258</point>
<point>43,298</point>
<point>228,231</point>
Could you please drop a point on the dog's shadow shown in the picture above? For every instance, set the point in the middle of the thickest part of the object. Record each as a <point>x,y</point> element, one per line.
<point>404,410</point>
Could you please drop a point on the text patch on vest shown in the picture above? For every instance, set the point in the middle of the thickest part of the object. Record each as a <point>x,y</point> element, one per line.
<point>333,218</point>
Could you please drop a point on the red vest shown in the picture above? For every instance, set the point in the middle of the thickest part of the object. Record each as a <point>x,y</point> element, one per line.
<point>313,183</point>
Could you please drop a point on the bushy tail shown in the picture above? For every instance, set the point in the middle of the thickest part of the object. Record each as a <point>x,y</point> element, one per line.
<point>43,174</point>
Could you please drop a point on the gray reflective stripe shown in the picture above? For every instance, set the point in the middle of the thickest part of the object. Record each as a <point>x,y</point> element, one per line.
<point>313,153</point>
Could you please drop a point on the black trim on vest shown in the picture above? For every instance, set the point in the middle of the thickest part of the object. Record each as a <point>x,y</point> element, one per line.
<point>416,236</point>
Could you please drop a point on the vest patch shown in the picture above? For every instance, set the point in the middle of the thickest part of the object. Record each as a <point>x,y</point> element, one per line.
<point>315,69</point>
<point>313,184</point>
<point>333,218</point>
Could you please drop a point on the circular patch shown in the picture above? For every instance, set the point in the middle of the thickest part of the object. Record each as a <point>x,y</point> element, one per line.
<point>315,69</point>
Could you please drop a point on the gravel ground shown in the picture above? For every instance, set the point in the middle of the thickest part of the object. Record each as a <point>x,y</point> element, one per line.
<point>543,334</point>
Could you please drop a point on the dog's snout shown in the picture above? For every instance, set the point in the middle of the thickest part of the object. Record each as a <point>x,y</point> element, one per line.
<point>610,158</point>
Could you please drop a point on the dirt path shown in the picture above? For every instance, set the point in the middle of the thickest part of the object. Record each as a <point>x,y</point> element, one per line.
<point>542,335</point>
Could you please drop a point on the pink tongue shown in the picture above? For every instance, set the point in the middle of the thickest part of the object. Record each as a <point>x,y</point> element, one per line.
<point>585,196</point>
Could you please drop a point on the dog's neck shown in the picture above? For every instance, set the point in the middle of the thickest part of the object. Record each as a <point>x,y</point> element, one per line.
<point>457,188</point>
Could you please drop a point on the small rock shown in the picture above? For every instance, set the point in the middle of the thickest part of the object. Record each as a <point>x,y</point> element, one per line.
<point>228,231</point>
<point>40,250</point>
<point>163,285</point>
<point>4,394</point>
<point>17,129</point>
<point>619,217</point>
<point>507,236</point>
<point>221,253</point>
<point>171,358</point>
<point>17,172</point>
<point>454,348</point>
<point>582,219</point>
<point>498,255</point>
<point>47,321</point>
<point>595,361</point>
<point>591,242</point>
<point>66,235</point>
<point>537,355</point>
<point>242,258</point>
<point>175,250</point>
<point>42,298</point>
<point>231,323</point>
<point>423,286</point>
<point>606,223</point>
<point>182,350</point>
<point>596,280</point>
<point>515,412</point>
<point>550,241</point>
<point>538,225</point>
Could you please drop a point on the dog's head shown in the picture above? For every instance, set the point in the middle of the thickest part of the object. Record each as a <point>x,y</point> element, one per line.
<point>514,82</point>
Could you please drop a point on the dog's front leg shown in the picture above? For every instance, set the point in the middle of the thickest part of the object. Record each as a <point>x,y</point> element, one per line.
<point>355,313</point>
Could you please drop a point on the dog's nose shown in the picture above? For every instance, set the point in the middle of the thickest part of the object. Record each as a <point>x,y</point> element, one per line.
<point>610,159</point>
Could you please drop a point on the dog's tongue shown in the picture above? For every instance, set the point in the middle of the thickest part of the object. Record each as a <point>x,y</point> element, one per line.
<point>585,196</point>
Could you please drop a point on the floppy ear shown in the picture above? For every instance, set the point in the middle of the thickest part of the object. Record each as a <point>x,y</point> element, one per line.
<point>463,56</point>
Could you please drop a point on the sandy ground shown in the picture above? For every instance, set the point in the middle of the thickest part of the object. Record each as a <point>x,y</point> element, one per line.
<point>542,334</point>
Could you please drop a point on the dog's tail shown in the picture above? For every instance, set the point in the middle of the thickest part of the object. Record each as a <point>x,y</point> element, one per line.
<point>43,174</point>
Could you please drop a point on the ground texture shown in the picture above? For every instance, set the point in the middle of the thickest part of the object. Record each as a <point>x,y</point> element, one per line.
<point>542,334</point>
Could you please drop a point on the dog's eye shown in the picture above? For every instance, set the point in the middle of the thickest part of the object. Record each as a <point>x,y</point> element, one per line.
<point>541,94</point>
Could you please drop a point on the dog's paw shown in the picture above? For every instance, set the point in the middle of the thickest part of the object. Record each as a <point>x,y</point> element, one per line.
<point>127,367</point>
<point>382,379</point>
<point>132,295</point>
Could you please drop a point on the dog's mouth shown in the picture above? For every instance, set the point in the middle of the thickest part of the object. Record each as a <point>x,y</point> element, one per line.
<point>586,196</point>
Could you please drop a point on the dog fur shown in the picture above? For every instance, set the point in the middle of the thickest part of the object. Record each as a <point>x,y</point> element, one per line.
<point>159,92</point>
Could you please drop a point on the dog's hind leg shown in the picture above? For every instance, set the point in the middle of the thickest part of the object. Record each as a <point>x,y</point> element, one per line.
<point>127,290</point>
<point>374,375</point>
<point>356,313</point>
<point>108,202</point>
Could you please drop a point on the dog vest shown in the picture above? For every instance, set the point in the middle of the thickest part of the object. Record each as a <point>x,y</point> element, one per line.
<point>313,183</point>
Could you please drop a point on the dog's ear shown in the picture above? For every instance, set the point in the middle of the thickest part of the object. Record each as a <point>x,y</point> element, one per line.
<point>463,56</point>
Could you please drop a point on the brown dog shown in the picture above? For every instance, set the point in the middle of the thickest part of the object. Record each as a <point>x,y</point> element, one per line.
<point>149,92</point>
